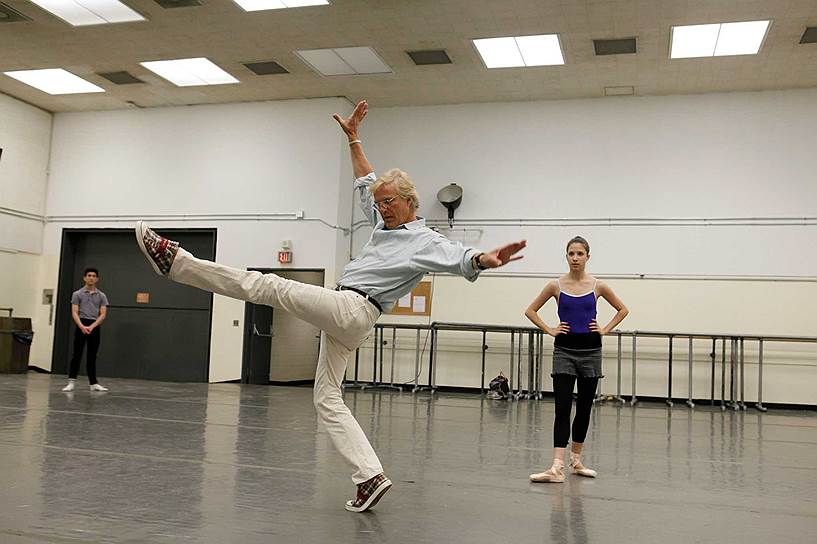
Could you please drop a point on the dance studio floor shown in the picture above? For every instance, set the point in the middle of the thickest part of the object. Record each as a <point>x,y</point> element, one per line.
<point>229,463</point>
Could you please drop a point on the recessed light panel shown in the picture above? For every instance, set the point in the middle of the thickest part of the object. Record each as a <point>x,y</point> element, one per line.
<point>510,52</point>
<point>363,60</point>
<point>741,38</point>
<point>190,72</point>
<point>344,61</point>
<point>694,41</point>
<point>259,5</point>
<point>55,81</point>
<point>90,12</point>
<point>719,39</point>
<point>540,50</point>
<point>499,52</point>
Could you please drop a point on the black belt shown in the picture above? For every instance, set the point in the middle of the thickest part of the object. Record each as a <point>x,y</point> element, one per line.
<point>361,293</point>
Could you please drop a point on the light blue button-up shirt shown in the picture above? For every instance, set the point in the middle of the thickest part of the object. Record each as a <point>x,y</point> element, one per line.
<point>395,260</point>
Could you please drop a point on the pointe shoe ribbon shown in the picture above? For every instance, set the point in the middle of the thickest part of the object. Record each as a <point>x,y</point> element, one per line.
<point>576,467</point>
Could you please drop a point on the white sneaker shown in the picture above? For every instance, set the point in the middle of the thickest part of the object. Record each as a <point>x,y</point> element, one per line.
<point>97,387</point>
<point>70,387</point>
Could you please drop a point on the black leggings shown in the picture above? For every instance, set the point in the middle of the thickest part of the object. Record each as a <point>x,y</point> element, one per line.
<point>563,388</point>
<point>80,339</point>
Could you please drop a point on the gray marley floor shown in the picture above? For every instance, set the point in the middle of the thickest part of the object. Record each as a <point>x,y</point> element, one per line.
<point>160,462</point>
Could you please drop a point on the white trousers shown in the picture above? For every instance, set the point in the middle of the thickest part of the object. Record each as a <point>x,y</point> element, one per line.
<point>346,319</point>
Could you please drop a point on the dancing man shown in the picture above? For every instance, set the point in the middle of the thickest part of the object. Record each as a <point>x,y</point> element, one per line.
<point>401,250</point>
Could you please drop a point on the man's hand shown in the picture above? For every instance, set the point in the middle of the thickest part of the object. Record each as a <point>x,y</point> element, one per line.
<point>503,255</point>
<point>85,330</point>
<point>351,125</point>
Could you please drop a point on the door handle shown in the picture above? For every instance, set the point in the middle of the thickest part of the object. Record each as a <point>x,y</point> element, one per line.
<point>257,333</point>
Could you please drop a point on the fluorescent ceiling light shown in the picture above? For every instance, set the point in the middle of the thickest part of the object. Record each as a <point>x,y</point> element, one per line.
<point>90,12</point>
<point>540,50</point>
<point>344,61</point>
<point>258,5</point>
<point>499,52</point>
<point>509,52</point>
<point>741,38</point>
<point>55,81</point>
<point>719,39</point>
<point>190,72</point>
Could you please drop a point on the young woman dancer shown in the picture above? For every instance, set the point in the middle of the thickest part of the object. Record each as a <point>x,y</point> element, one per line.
<point>576,354</point>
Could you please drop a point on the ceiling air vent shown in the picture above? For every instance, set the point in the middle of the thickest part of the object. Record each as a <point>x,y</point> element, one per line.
<point>266,68</point>
<point>167,4</point>
<point>429,56</point>
<point>810,35</point>
<point>619,90</point>
<point>10,15</point>
<point>121,78</point>
<point>620,46</point>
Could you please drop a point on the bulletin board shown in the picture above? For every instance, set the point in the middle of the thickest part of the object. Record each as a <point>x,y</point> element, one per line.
<point>418,302</point>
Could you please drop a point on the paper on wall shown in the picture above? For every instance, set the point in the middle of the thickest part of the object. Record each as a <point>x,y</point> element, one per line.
<point>419,305</point>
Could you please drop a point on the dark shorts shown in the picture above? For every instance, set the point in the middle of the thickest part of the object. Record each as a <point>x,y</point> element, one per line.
<point>582,363</point>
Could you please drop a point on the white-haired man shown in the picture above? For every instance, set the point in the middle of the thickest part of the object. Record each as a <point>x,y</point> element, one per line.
<point>399,253</point>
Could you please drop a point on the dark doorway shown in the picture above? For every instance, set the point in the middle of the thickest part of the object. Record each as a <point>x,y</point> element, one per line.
<point>165,335</point>
<point>279,347</point>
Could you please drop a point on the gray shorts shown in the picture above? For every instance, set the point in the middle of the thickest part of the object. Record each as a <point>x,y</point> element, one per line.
<point>582,363</point>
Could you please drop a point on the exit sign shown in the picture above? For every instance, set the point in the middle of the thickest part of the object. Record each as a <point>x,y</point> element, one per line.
<point>284,257</point>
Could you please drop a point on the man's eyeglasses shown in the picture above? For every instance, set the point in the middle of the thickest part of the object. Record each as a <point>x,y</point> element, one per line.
<point>385,203</point>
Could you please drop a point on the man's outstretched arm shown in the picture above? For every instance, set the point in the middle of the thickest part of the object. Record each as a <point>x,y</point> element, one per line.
<point>350,126</point>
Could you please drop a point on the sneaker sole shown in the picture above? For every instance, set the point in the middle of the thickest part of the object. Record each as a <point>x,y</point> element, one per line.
<point>374,498</point>
<point>140,235</point>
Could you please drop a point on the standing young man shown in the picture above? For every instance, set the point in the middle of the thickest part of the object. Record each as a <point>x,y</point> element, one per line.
<point>89,306</point>
<point>400,252</point>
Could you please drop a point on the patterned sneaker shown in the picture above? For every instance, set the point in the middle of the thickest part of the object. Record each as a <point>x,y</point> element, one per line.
<point>369,493</point>
<point>160,251</point>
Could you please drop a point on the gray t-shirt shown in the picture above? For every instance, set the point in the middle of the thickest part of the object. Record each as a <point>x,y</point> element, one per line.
<point>89,302</point>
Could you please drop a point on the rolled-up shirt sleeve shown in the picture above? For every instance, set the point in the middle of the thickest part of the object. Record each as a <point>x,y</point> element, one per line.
<point>366,199</point>
<point>444,255</point>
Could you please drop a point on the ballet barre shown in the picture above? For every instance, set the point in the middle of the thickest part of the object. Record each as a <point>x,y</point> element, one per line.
<point>526,361</point>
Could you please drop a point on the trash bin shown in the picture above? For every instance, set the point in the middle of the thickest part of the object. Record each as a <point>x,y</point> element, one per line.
<point>15,344</point>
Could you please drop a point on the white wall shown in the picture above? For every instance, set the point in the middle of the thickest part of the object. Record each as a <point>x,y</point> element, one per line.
<point>697,156</point>
<point>258,158</point>
<point>702,156</point>
<point>727,155</point>
<point>25,137</point>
